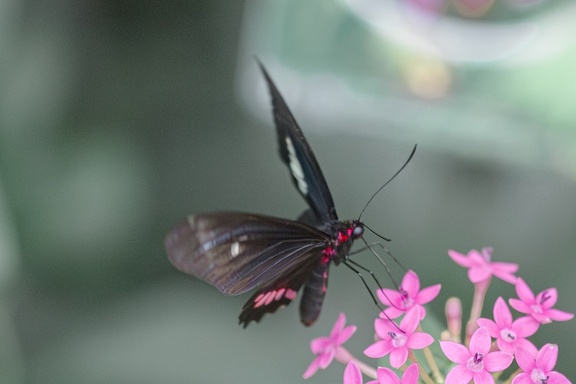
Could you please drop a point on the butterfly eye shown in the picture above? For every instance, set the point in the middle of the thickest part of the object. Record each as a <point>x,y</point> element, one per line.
<point>358,231</point>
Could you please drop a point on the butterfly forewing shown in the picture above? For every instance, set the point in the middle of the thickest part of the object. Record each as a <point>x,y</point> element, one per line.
<point>236,252</point>
<point>298,156</point>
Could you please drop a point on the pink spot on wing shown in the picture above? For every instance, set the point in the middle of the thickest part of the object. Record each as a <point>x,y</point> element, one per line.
<point>290,294</point>
<point>259,302</point>
<point>270,297</point>
<point>280,294</point>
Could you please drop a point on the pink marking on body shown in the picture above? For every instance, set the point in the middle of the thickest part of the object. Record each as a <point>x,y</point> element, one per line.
<point>327,253</point>
<point>280,294</point>
<point>259,297</point>
<point>290,294</point>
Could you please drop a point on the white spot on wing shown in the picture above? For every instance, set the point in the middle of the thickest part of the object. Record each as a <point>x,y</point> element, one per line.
<point>235,249</point>
<point>295,167</point>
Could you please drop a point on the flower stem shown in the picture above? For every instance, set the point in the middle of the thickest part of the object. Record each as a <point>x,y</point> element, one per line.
<point>344,356</point>
<point>423,374</point>
<point>477,304</point>
<point>433,366</point>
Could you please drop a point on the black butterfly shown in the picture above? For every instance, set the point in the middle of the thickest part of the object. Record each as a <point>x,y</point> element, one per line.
<point>236,252</point>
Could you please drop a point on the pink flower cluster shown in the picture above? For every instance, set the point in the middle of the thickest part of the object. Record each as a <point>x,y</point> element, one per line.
<point>478,359</point>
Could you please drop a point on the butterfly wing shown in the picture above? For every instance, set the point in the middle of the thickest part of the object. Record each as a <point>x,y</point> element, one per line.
<point>236,252</point>
<point>298,156</point>
<point>279,293</point>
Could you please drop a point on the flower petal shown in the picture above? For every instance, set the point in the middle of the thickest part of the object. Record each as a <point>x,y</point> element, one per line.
<point>319,344</point>
<point>525,360</point>
<point>558,315</point>
<point>398,357</point>
<point>410,375</point>
<point>419,340</point>
<point>379,349</point>
<point>338,325</point>
<point>519,305</point>
<point>477,274</point>
<point>455,352</point>
<point>386,375</point>
<point>428,294</point>
<point>522,378</point>
<point>491,326</point>
<point>548,297</point>
<point>525,326</point>
<point>524,292</point>
<point>411,283</point>
<point>343,336</point>
<point>482,377</point>
<point>383,327</point>
<point>480,341</point>
<point>502,314</point>
<point>352,374</point>
<point>547,356</point>
<point>497,361</point>
<point>459,258</point>
<point>410,321</point>
<point>311,370</point>
<point>557,378</point>
<point>458,375</point>
<point>389,296</point>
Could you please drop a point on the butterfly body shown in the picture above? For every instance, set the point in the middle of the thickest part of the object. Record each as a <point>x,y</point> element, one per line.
<point>237,252</point>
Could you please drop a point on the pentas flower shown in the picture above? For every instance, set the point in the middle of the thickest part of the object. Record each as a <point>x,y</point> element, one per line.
<point>476,359</point>
<point>508,333</point>
<point>407,296</point>
<point>539,306</point>
<point>398,340</point>
<point>480,267</point>
<point>537,368</point>
<point>352,375</point>
<point>475,362</point>
<point>328,348</point>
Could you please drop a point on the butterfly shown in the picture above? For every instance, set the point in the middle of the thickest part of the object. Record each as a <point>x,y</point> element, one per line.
<point>237,252</point>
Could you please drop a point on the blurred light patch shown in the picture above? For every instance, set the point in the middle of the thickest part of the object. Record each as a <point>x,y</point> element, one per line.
<point>501,78</point>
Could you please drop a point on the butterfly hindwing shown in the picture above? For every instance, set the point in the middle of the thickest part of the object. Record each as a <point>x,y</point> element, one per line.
<point>278,294</point>
<point>298,156</point>
<point>236,252</point>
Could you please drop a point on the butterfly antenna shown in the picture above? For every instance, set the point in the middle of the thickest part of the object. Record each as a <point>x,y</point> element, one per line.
<point>389,180</point>
<point>376,233</point>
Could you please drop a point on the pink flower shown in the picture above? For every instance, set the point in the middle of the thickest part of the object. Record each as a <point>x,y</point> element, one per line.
<point>538,369</point>
<point>328,348</point>
<point>352,375</point>
<point>476,361</point>
<point>408,296</point>
<point>480,268</point>
<point>539,306</point>
<point>508,333</point>
<point>398,340</point>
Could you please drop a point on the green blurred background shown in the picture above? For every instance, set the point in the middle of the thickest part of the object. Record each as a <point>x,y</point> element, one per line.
<point>118,118</point>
